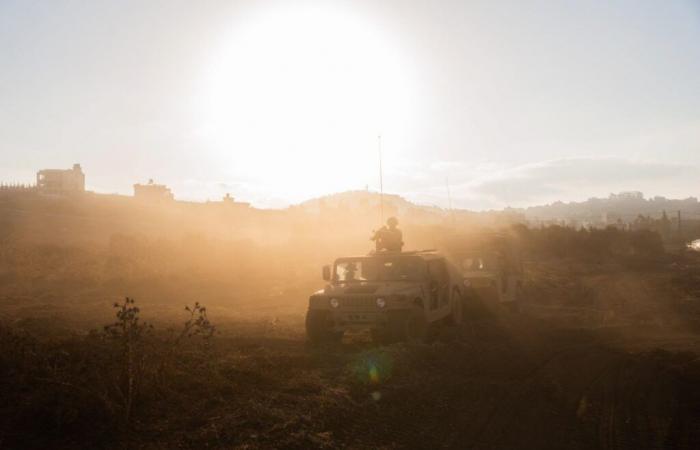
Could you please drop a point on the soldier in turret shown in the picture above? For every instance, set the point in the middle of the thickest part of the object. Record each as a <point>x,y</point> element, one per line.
<point>389,238</point>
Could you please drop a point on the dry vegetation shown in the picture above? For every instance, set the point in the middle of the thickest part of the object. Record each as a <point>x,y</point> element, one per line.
<point>603,355</point>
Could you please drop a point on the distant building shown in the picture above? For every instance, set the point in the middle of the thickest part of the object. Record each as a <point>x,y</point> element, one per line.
<point>61,182</point>
<point>629,195</point>
<point>152,192</point>
<point>17,187</point>
<point>231,202</point>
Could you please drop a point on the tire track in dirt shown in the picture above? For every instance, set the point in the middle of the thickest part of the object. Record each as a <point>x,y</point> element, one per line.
<point>644,405</point>
<point>606,399</point>
<point>510,404</point>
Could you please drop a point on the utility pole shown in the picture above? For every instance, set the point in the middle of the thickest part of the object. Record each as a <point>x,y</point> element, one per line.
<point>381,181</point>
<point>449,200</point>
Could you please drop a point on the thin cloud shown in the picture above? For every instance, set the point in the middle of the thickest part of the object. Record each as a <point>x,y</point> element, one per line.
<point>567,177</point>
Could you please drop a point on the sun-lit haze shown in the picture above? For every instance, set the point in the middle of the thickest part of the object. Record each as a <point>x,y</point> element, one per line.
<point>277,102</point>
<point>297,96</point>
<point>350,224</point>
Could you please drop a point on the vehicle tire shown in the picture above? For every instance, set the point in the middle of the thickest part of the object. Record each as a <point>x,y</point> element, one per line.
<point>518,302</point>
<point>394,330</point>
<point>457,315</point>
<point>473,306</point>
<point>513,307</point>
<point>319,328</point>
<point>382,336</point>
<point>416,328</point>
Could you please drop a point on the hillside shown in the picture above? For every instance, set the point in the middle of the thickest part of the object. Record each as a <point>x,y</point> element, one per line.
<point>625,206</point>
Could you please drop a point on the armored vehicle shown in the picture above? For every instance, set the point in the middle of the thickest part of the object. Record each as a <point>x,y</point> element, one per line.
<point>492,268</point>
<point>396,295</point>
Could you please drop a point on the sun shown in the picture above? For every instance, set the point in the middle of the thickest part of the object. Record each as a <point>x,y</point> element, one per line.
<point>296,98</point>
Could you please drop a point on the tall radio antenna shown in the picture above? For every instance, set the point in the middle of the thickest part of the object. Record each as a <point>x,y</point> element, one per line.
<point>449,199</point>
<point>381,180</point>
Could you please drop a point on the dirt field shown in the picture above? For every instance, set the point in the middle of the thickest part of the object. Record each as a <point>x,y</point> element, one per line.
<point>600,357</point>
<point>509,386</point>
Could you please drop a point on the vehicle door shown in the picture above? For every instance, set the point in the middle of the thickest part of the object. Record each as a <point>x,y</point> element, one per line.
<point>502,278</point>
<point>439,283</point>
<point>513,276</point>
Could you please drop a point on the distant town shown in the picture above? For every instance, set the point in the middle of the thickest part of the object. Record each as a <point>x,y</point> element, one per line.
<point>671,218</point>
<point>69,182</point>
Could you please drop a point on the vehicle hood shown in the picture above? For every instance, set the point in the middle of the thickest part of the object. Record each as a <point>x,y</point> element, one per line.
<point>479,274</point>
<point>378,288</point>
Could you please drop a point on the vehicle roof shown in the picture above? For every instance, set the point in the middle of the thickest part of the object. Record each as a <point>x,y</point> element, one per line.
<point>424,254</point>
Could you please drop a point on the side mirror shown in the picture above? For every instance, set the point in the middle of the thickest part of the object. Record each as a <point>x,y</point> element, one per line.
<point>327,273</point>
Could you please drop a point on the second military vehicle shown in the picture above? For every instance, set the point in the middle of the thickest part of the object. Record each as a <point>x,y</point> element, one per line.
<point>396,295</point>
<point>491,266</point>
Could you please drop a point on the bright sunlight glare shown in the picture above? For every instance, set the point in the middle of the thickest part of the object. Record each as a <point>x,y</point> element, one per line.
<point>299,96</point>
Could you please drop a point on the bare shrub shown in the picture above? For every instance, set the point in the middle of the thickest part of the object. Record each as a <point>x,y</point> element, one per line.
<point>198,323</point>
<point>103,384</point>
<point>129,334</point>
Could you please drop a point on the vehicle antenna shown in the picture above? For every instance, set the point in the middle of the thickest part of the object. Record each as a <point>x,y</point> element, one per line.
<point>381,181</point>
<point>449,199</point>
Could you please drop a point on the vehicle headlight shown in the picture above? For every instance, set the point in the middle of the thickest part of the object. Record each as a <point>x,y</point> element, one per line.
<point>381,302</point>
<point>335,302</point>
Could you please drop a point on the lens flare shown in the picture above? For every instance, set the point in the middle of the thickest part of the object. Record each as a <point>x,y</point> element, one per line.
<point>373,367</point>
<point>373,374</point>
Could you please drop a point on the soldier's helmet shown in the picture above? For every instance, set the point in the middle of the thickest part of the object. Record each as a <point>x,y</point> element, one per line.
<point>392,222</point>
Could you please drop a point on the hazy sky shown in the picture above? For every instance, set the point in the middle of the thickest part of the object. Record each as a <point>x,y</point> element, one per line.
<point>517,102</point>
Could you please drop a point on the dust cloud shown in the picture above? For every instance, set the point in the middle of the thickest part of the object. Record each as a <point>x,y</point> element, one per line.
<point>209,348</point>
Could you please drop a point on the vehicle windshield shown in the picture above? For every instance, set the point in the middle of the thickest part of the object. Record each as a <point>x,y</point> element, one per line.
<point>478,262</point>
<point>401,268</point>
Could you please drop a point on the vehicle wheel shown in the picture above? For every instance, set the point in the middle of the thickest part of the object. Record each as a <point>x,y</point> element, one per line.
<point>395,329</point>
<point>319,328</point>
<point>381,335</point>
<point>474,308</point>
<point>457,315</point>
<point>513,307</point>
<point>518,302</point>
<point>416,327</point>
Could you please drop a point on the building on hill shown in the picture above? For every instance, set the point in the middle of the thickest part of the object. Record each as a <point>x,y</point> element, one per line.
<point>153,192</point>
<point>229,201</point>
<point>61,182</point>
<point>628,195</point>
<point>17,187</point>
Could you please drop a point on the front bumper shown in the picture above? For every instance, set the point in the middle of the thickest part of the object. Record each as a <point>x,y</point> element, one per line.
<point>355,312</point>
<point>344,320</point>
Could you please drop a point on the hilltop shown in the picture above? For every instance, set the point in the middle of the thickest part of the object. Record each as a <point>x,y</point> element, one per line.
<point>90,216</point>
<point>625,207</point>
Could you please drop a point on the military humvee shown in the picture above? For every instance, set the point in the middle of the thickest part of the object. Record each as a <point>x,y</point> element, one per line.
<point>396,295</point>
<point>491,267</point>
